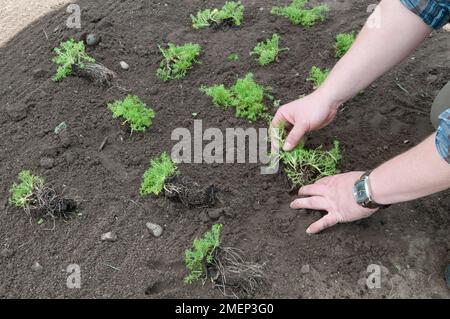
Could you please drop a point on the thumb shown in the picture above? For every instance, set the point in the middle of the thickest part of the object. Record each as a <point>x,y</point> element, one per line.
<point>294,137</point>
<point>325,222</point>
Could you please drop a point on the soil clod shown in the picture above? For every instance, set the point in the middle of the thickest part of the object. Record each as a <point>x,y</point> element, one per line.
<point>96,73</point>
<point>189,193</point>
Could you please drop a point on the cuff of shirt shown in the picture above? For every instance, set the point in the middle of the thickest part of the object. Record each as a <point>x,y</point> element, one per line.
<point>434,13</point>
<point>443,135</point>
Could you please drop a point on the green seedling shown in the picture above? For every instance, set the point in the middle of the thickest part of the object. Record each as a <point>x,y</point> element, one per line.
<point>156,175</point>
<point>317,76</point>
<point>202,254</point>
<point>305,166</point>
<point>343,43</point>
<point>245,96</point>
<point>177,60</point>
<point>31,193</point>
<point>138,116</point>
<point>297,14</point>
<point>232,12</point>
<point>233,57</point>
<point>21,194</point>
<point>69,54</point>
<point>267,51</point>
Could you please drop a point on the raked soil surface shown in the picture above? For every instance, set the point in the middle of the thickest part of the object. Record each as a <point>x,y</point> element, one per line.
<point>411,240</point>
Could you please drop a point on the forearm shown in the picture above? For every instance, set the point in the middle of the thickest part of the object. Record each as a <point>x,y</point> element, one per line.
<point>417,173</point>
<point>377,49</point>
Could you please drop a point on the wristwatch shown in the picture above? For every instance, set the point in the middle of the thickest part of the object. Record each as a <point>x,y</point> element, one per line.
<point>362,193</point>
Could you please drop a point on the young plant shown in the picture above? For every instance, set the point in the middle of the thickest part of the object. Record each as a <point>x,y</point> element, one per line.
<point>202,254</point>
<point>231,13</point>
<point>31,194</point>
<point>233,57</point>
<point>245,96</point>
<point>343,43</point>
<point>317,76</point>
<point>297,14</point>
<point>134,111</point>
<point>156,175</point>
<point>268,50</point>
<point>21,194</point>
<point>69,54</point>
<point>224,266</point>
<point>177,60</point>
<point>305,166</point>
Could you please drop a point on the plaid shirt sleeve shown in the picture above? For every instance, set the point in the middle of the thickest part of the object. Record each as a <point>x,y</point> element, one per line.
<point>435,13</point>
<point>443,135</point>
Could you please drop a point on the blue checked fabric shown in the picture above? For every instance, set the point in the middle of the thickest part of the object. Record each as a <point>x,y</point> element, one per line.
<point>435,13</point>
<point>443,135</point>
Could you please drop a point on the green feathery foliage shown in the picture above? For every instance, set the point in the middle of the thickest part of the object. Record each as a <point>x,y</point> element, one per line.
<point>343,43</point>
<point>68,54</point>
<point>21,193</point>
<point>202,254</point>
<point>297,14</point>
<point>268,50</point>
<point>246,96</point>
<point>233,57</point>
<point>134,111</point>
<point>155,176</point>
<point>177,60</point>
<point>305,166</point>
<point>233,11</point>
<point>317,76</point>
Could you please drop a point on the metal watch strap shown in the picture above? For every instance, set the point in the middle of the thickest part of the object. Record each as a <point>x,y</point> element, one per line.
<point>370,203</point>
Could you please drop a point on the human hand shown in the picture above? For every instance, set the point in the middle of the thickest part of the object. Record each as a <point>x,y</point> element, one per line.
<point>333,194</point>
<point>304,115</point>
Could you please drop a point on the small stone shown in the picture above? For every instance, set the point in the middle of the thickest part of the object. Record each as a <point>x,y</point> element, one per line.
<point>405,141</point>
<point>92,39</point>
<point>37,267</point>
<point>215,213</point>
<point>124,65</point>
<point>447,27</point>
<point>47,162</point>
<point>109,236</point>
<point>155,229</point>
<point>305,269</point>
<point>6,252</point>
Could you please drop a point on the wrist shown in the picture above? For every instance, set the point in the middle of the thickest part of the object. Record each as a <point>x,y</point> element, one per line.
<point>332,100</point>
<point>377,186</point>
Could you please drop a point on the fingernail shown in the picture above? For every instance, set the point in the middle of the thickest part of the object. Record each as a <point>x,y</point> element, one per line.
<point>308,231</point>
<point>287,146</point>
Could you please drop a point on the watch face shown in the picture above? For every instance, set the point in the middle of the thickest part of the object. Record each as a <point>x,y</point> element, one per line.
<point>359,192</point>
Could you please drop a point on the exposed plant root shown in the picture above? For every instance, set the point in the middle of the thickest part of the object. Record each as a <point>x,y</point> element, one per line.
<point>234,276</point>
<point>223,25</point>
<point>95,72</point>
<point>190,193</point>
<point>47,203</point>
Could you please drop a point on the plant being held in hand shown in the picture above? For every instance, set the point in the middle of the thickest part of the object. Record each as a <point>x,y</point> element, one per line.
<point>245,96</point>
<point>177,60</point>
<point>317,76</point>
<point>68,54</point>
<point>134,111</point>
<point>297,14</point>
<point>343,43</point>
<point>268,50</point>
<point>155,176</point>
<point>232,12</point>
<point>305,166</point>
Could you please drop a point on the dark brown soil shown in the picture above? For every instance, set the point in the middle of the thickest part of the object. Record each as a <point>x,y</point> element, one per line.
<point>410,240</point>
